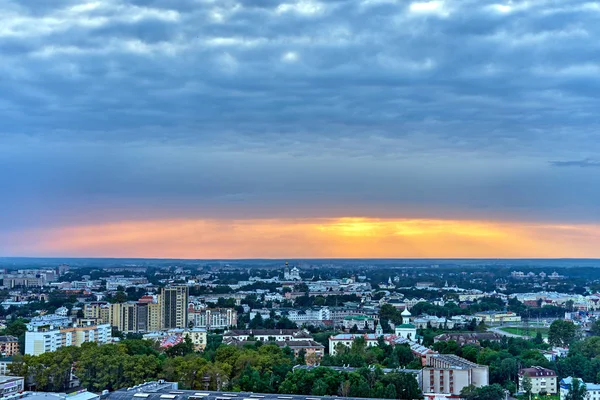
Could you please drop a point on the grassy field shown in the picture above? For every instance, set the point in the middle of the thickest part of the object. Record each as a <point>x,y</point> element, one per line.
<point>538,397</point>
<point>522,331</point>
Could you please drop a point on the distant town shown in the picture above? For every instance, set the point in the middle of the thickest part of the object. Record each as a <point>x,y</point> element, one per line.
<point>292,329</point>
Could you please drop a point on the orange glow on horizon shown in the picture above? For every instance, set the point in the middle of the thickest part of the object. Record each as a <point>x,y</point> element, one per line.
<point>311,238</point>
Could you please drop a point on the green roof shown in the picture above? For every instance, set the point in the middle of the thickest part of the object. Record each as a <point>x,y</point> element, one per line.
<point>405,326</point>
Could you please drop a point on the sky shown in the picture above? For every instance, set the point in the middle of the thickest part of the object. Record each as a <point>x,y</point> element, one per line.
<point>267,128</point>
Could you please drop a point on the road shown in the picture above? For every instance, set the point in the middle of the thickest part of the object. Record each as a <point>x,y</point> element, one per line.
<point>501,332</point>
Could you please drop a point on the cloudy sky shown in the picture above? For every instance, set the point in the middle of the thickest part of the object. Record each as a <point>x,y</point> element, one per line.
<point>266,128</point>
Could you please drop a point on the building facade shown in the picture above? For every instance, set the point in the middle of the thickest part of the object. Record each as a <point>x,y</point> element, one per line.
<point>265,335</point>
<point>174,307</point>
<point>9,346</point>
<point>543,380</point>
<point>406,330</point>
<point>11,386</point>
<point>449,374</point>
<point>361,322</point>
<point>498,317</point>
<point>592,389</point>
<point>44,340</point>
<point>213,318</point>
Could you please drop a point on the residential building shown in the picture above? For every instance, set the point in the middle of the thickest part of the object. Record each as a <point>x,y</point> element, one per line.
<point>212,318</point>
<point>9,345</point>
<point>346,339</point>
<point>313,351</point>
<point>49,320</point>
<point>46,339</point>
<point>154,321</point>
<point>360,322</point>
<point>592,389</point>
<point>449,374</point>
<point>98,310</point>
<point>170,338</point>
<point>310,316</point>
<point>543,380</point>
<point>129,317</point>
<point>464,338</point>
<point>4,365</point>
<point>174,307</point>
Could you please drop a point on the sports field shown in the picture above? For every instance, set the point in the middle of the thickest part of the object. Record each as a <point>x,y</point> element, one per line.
<point>532,331</point>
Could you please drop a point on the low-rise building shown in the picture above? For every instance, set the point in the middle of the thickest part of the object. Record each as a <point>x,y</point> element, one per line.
<point>313,351</point>
<point>496,317</point>
<point>592,389</point>
<point>264,335</point>
<point>361,322</point>
<point>78,395</point>
<point>346,339</point>
<point>5,365</point>
<point>468,337</point>
<point>543,380</point>
<point>170,338</point>
<point>11,386</point>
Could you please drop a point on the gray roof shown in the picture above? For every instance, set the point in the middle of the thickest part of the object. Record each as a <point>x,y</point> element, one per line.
<point>158,391</point>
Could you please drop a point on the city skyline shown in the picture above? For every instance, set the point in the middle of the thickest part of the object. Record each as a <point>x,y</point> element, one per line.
<point>275,129</point>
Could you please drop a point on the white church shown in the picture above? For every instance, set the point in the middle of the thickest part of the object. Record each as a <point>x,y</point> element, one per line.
<point>406,329</point>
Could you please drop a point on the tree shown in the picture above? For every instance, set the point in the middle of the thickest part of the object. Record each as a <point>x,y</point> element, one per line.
<point>527,385</point>
<point>595,328</point>
<point>301,359</point>
<point>16,328</point>
<point>119,297</point>
<point>561,333</point>
<point>577,390</point>
<point>492,392</point>
<point>181,349</point>
<point>390,391</point>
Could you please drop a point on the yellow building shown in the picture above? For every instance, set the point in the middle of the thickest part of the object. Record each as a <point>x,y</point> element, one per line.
<point>154,317</point>
<point>496,317</point>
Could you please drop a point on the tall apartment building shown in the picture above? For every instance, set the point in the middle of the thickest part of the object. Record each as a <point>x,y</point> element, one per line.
<point>213,318</point>
<point>43,340</point>
<point>146,315</point>
<point>129,314</point>
<point>449,374</point>
<point>174,307</point>
<point>154,321</point>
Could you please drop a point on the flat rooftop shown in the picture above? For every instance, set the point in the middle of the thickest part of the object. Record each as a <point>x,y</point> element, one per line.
<point>158,391</point>
<point>4,378</point>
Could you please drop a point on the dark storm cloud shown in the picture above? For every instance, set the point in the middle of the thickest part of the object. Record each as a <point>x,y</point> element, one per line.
<point>117,109</point>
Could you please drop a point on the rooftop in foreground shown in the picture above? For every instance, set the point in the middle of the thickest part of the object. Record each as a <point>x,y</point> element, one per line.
<point>169,391</point>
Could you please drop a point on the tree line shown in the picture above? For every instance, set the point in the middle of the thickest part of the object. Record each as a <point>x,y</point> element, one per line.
<point>255,367</point>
